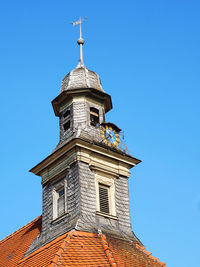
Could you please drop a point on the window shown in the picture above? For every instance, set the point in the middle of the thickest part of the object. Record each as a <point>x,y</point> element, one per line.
<point>105,194</point>
<point>66,114</point>
<point>66,125</point>
<point>66,120</point>
<point>94,117</point>
<point>104,198</point>
<point>59,201</point>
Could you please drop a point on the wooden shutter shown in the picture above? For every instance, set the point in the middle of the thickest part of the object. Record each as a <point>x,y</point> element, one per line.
<point>104,198</point>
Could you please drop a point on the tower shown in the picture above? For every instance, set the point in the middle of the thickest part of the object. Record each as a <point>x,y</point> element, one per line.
<point>85,218</point>
<point>85,178</point>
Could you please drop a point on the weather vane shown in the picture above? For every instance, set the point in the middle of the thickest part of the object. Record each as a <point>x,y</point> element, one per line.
<point>80,40</point>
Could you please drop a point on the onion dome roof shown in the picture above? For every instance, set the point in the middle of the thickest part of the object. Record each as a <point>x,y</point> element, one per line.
<point>81,77</point>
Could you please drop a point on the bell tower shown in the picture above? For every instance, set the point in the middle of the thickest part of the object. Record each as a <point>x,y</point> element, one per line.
<point>85,178</point>
<point>81,104</point>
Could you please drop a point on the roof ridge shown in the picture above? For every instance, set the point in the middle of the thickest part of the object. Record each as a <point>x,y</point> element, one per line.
<point>107,250</point>
<point>149,254</point>
<point>63,245</point>
<point>20,229</point>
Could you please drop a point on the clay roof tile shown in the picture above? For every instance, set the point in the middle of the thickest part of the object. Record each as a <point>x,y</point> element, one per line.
<point>74,248</point>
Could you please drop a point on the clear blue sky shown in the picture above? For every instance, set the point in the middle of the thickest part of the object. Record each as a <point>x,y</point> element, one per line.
<point>147,55</point>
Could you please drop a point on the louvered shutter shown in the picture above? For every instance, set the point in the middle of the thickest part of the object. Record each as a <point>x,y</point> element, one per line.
<point>104,198</point>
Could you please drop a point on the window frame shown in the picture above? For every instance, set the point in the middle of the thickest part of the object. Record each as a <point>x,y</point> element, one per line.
<point>66,114</point>
<point>109,182</point>
<point>68,126</point>
<point>56,189</point>
<point>61,198</point>
<point>66,119</point>
<point>107,188</point>
<point>94,113</point>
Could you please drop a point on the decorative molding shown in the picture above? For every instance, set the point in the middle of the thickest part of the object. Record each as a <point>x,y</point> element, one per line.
<point>97,169</point>
<point>106,215</point>
<point>67,149</point>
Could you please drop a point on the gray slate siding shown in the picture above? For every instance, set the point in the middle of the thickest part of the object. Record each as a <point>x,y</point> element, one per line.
<point>87,189</point>
<point>47,206</point>
<point>73,191</point>
<point>81,207</point>
<point>80,119</point>
<point>89,220</point>
<point>79,115</point>
<point>51,229</point>
<point>122,204</point>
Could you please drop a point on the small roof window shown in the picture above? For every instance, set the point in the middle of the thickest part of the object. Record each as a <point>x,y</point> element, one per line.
<point>66,125</point>
<point>94,117</point>
<point>66,114</point>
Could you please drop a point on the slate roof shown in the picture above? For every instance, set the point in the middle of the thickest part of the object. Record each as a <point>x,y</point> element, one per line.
<point>74,248</point>
<point>81,77</point>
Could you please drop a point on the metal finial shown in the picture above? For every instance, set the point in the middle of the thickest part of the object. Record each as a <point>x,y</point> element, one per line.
<point>80,40</point>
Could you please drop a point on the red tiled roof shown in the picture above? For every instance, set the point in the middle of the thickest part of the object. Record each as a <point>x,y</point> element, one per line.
<point>82,249</point>
<point>42,257</point>
<point>74,248</point>
<point>131,254</point>
<point>13,247</point>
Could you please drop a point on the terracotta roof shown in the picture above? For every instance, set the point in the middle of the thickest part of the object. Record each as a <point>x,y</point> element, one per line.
<point>74,248</point>
<point>13,247</point>
<point>131,254</point>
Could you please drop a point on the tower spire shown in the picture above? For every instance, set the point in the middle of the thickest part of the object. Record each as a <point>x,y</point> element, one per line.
<point>80,41</point>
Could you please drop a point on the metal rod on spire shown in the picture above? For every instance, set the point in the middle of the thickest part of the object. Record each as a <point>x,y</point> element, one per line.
<point>80,40</point>
<point>80,29</point>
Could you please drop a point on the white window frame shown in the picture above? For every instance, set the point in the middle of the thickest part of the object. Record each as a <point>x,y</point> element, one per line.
<point>109,181</point>
<point>57,188</point>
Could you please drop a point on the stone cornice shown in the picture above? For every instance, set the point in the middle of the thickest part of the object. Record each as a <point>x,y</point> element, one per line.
<point>79,149</point>
<point>88,92</point>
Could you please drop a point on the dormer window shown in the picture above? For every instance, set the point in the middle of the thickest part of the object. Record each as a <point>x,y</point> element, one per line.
<point>66,120</point>
<point>59,200</point>
<point>104,192</point>
<point>66,114</point>
<point>66,125</point>
<point>94,117</point>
